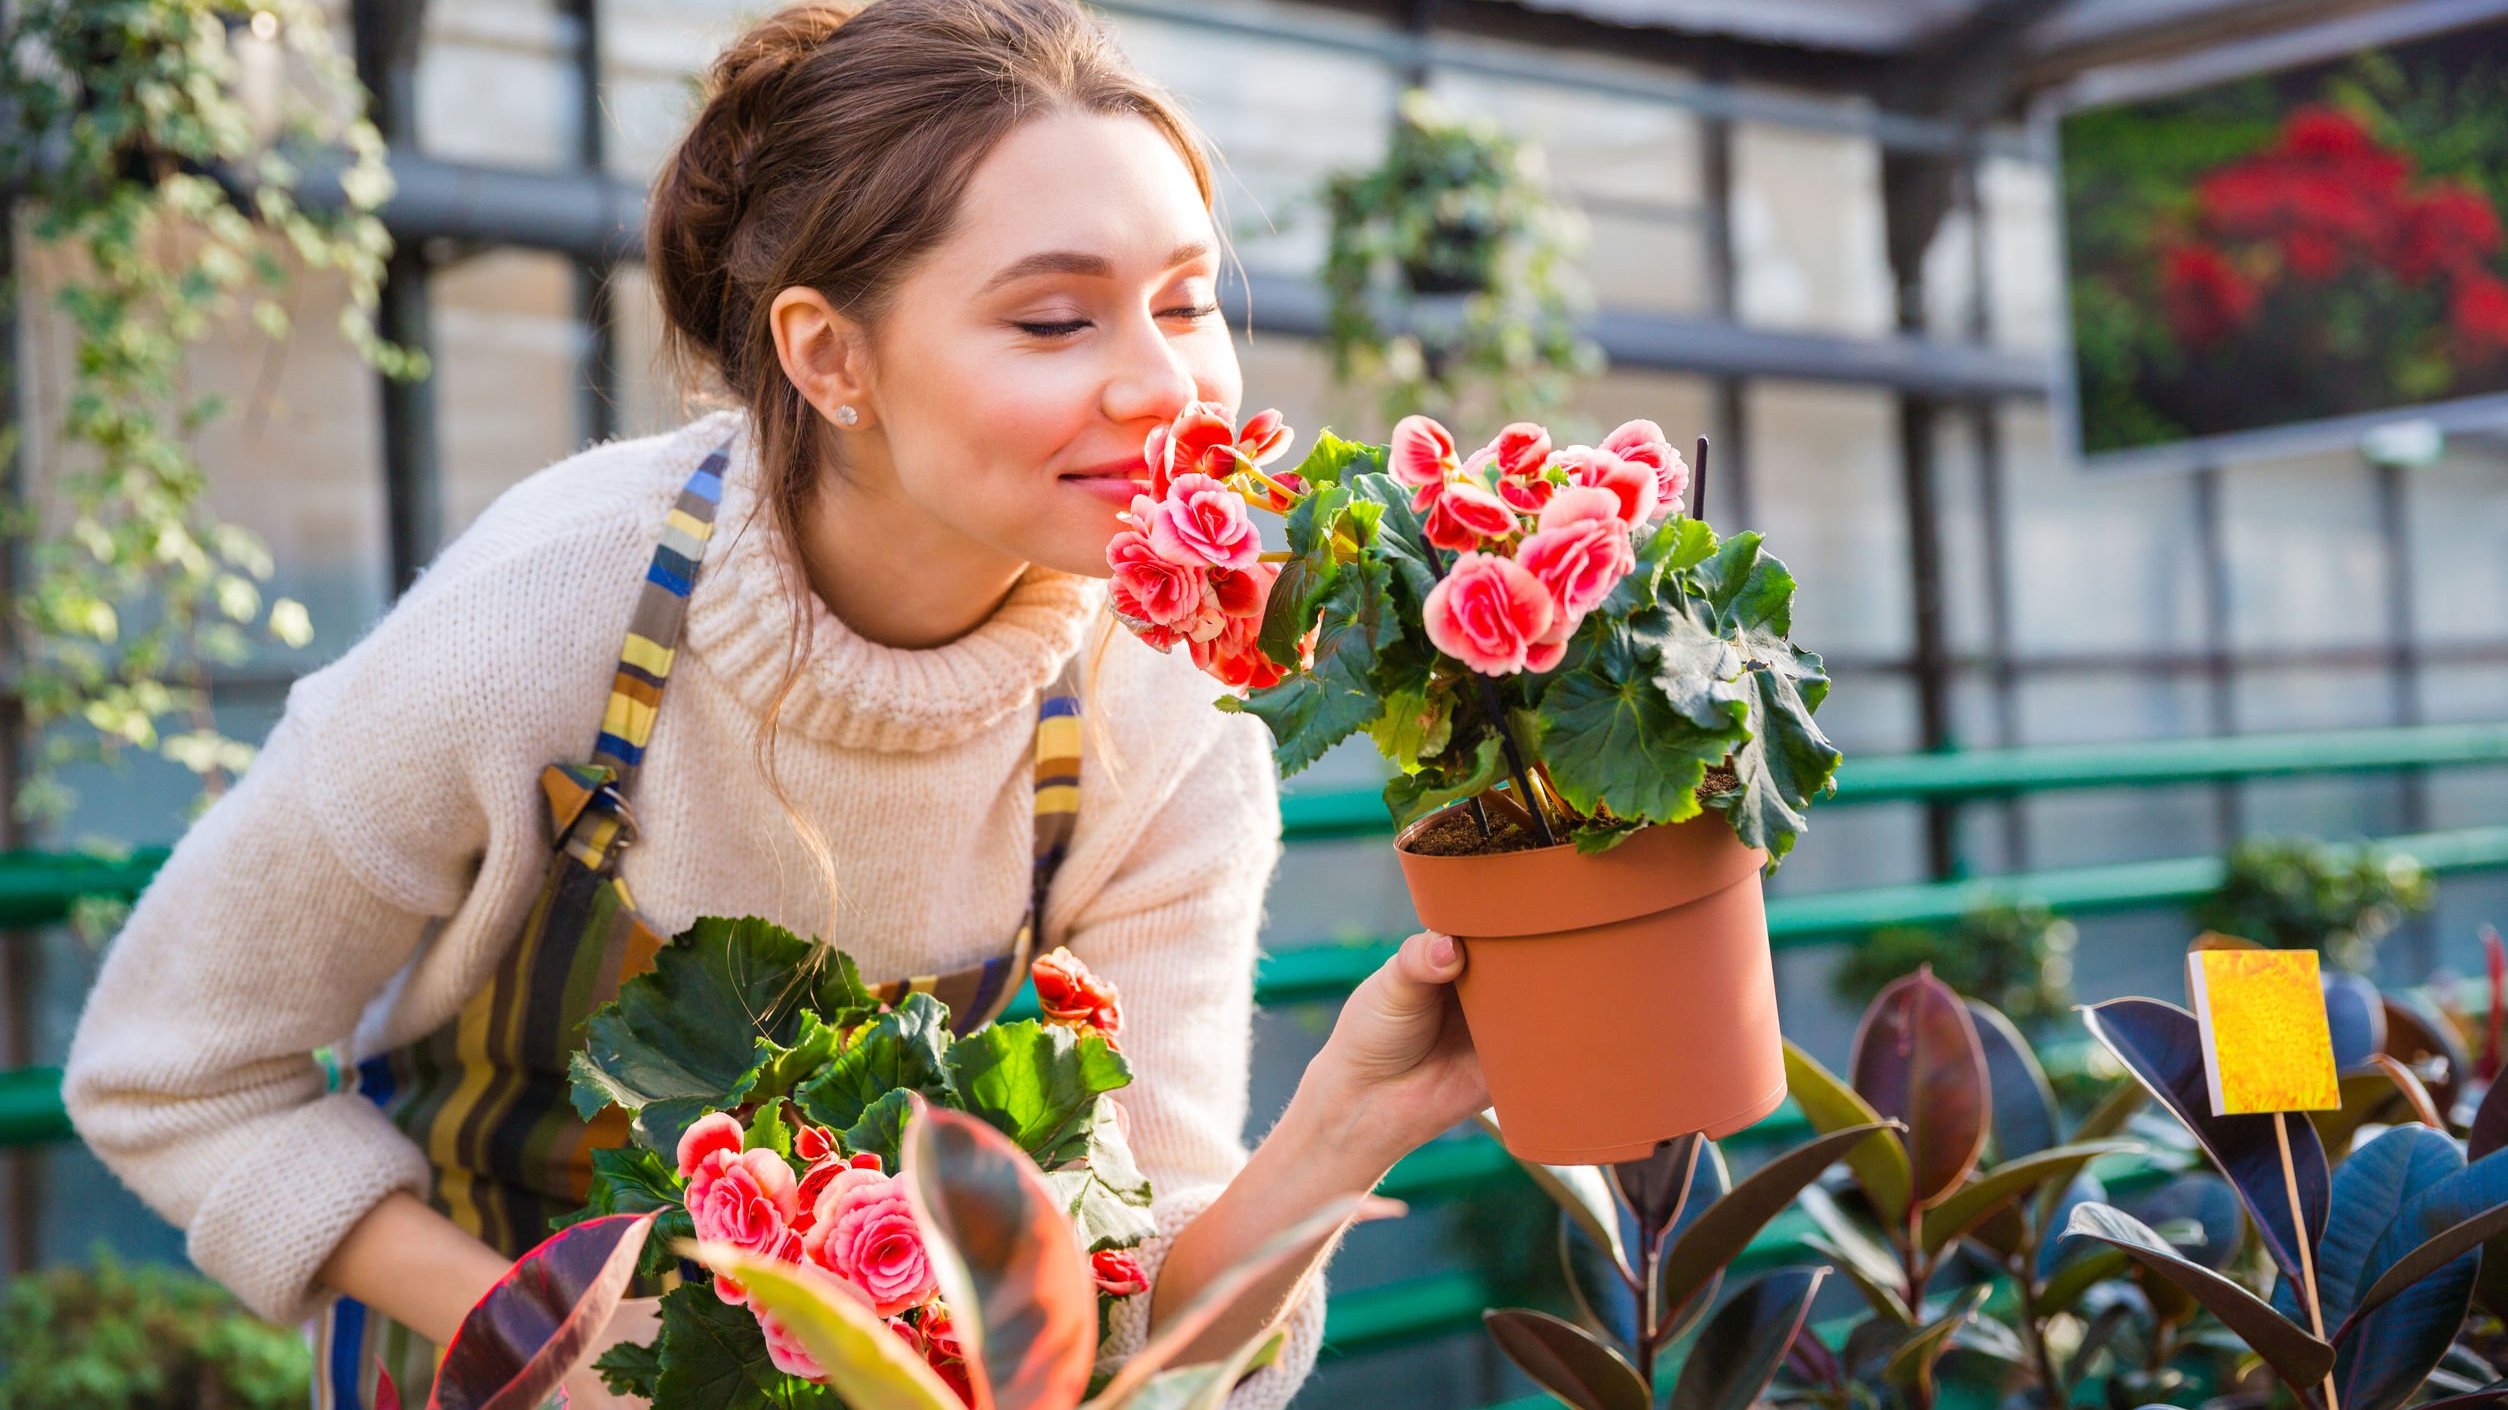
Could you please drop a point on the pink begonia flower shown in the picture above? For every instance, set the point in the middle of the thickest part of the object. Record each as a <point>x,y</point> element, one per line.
<point>864,1233</point>
<point>1201,441</point>
<point>1487,612</point>
<point>785,1349</point>
<point>1235,660</point>
<point>1463,514</point>
<point>1422,452</point>
<point>816,1181</point>
<point>1243,593</point>
<point>1150,589</point>
<point>811,1144</point>
<point>747,1200</point>
<point>712,1132</point>
<point>1642,442</point>
<point>1197,441</point>
<point>1603,469</point>
<point>1579,549</point>
<point>1200,523</point>
<point>1522,448</point>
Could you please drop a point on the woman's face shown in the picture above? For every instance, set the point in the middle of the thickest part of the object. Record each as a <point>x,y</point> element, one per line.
<point>1071,310</point>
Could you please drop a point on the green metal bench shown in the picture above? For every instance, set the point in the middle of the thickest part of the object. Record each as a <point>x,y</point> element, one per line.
<point>37,889</point>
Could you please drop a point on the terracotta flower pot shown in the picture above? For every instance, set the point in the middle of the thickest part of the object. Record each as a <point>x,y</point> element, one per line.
<point>1616,1000</point>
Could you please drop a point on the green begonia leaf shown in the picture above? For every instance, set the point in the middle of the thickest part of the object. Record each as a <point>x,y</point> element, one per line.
<point>633,1180</point>
<point>683,1039</point>
<point>1036,1083</point>
<point>1311,712</point>
<point>881,1129</point>
<point>1108,1198</point>
<point>1332,460</point>
<point>714,1358</point>
<point>901,1050</point>
<point>1613,738</point>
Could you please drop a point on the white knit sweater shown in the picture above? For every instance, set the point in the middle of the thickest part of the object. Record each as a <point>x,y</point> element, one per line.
<point>364,877</point>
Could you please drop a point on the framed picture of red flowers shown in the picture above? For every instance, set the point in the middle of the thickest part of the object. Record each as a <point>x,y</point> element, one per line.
<point>2267,260</point>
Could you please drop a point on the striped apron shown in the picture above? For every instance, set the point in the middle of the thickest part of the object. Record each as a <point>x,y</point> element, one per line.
<point>486,1095</point>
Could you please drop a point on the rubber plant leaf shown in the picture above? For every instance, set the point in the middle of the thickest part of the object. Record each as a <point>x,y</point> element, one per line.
<point>1880,1164</point>
<point>1298,1242</point>
<point>2299,1358</point>
<point>1746,1341</point>
<point>1566,1360</point>
<point>1996,1189</point>
<point>2160,1044</point>
<point>1583,1192</point>
<point>1657,1185</point>
<point>1719,1235</point>
<point>1010,1270</point>
<point>2355,1016</point>
<point>2023,1100</point>
<point>867,1364</point>
<point>1911,1365</point>
<point>1917,1059</point>
<point>2419,1279</point>
<point>2370,1189</point>
<point>538,1323</point>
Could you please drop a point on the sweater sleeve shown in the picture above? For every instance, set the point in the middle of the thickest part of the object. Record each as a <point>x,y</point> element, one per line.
<point>191,1072</point>
<point>387,810</point>
<point>1174,930</point>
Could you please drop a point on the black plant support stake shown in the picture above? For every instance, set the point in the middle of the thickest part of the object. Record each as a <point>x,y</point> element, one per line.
<point>1698,482</point>
<point>1498,721</point>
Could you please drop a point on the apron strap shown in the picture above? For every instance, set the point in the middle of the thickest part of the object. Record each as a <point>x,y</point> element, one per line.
<point>588,801</point>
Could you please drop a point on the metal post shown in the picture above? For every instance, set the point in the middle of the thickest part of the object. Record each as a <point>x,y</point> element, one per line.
<point>2403,674</point>
<point>1911,215</point>
<point>1732,393</point>
<point>597,375</point>
<point>2219,667</point>
<point>386,39</point>
<point>1994,529</point>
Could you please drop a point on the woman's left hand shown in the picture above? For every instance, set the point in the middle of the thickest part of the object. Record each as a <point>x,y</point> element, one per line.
<point>1399,1067</point>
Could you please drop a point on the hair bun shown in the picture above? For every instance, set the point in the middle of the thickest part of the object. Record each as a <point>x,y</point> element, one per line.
<point>703,189</point>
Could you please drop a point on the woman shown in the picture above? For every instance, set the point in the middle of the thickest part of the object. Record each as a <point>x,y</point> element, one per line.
<point>954,260</point>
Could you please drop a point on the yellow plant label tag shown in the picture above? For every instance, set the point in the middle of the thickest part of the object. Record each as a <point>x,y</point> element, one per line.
<point>2266,1046</point>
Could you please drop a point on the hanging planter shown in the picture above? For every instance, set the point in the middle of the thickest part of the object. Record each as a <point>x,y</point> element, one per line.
<point>1455,214</point>
<point>1601,731</point>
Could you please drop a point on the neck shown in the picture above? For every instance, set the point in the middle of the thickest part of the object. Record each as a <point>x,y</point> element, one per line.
<point>890,570</point>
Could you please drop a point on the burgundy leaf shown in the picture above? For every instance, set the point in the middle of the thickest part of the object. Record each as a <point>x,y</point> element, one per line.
<point>1917,1058</point>
<point>523,1338</point>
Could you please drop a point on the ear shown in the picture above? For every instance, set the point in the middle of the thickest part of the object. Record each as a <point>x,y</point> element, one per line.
<point>824,353</point>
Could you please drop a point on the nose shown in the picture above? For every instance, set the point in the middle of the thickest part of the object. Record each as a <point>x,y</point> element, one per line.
<point>1150,378</point>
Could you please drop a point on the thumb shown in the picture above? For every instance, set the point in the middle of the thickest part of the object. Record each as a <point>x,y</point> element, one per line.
<point>1421,970</point>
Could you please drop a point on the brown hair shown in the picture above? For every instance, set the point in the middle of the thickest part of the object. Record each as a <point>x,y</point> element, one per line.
<point>834,144</point>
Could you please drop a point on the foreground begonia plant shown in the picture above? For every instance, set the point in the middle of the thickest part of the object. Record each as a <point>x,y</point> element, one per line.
<point>1546,615</point>
<point>988,1228</point>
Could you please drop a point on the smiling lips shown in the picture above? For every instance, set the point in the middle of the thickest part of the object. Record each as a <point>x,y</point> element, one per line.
<point>1115,484</point>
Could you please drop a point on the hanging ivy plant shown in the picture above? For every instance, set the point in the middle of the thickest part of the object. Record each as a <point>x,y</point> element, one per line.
<point>159,148</point>
<point>1452,275</point>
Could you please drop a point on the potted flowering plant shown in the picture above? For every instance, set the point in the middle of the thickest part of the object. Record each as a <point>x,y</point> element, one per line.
<point>1600,731</point>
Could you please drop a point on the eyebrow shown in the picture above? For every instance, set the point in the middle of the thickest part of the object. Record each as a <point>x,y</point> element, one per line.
<point>1082,263</point>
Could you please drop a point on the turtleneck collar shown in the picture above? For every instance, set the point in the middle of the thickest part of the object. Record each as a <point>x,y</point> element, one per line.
<point>849,691</point>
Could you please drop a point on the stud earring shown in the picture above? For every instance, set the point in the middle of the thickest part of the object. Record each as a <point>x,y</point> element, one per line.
<point>846,415</point>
